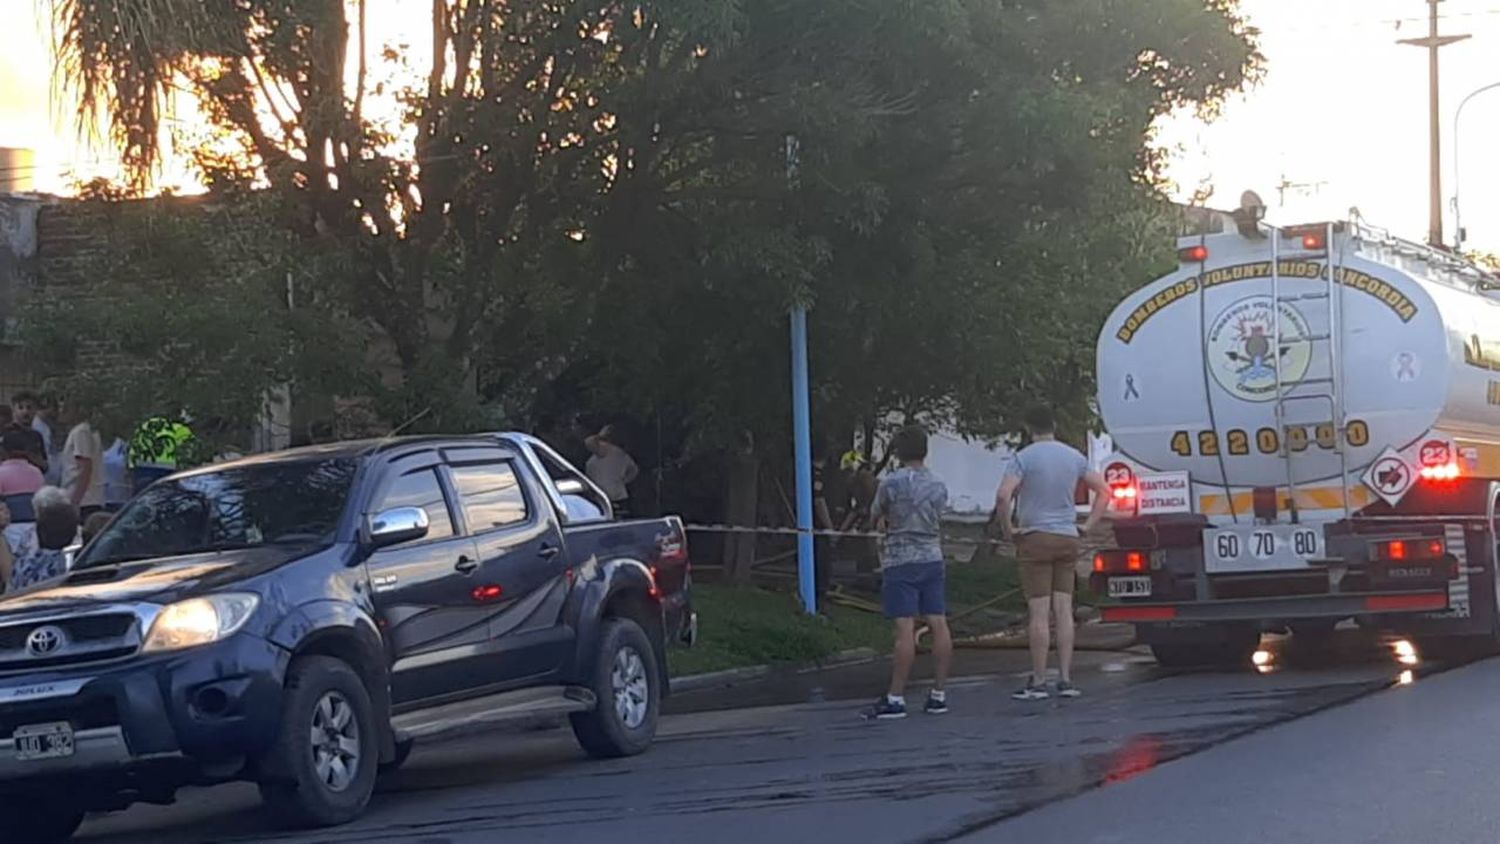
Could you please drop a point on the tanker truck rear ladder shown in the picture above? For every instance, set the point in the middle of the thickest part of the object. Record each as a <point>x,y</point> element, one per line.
<point>1332,297</point>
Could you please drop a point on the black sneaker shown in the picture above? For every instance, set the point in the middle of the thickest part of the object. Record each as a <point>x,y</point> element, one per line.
<point>885,709</point>
<point>1066,689</point>
<point>1032,692</point>
<point>936,706</point>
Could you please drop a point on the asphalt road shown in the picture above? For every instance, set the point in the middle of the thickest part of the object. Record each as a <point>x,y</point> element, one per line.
<point>789,760</point>
<point>1414,763</point>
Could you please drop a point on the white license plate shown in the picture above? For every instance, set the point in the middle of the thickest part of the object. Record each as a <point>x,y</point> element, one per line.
<point>44,741</point>
<point>1130,587</point>
<point>1250,548</point>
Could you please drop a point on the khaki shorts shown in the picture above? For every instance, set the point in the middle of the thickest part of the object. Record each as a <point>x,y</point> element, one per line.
<point>1048,563</point>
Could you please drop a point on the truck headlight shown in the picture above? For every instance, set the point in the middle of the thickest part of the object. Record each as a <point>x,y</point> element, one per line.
<point>199,621</point>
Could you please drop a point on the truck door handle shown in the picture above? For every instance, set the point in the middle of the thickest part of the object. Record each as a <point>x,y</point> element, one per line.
<point>466,564</point>
<point>547,552</point>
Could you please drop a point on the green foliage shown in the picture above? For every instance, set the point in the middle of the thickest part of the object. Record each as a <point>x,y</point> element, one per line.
<point>971,193</point>
<point>601,198</point>
<point>748,626</point>
<point>184,307</point>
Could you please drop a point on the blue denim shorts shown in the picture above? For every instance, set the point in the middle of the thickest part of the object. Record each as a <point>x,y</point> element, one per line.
<point>913,589</point>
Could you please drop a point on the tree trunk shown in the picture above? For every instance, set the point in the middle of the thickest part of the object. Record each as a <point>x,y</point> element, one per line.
<point>740,509</point>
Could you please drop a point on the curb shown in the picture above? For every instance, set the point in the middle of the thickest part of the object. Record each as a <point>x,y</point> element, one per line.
<point>735,676</point>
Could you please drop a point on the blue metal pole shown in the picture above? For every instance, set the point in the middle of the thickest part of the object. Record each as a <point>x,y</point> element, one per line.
<point>802,429</point>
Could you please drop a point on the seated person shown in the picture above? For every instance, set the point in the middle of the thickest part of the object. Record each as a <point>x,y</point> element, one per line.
<point>56,529</point>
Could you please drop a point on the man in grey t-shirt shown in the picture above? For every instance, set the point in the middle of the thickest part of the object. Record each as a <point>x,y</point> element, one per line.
<point>1042,483</point>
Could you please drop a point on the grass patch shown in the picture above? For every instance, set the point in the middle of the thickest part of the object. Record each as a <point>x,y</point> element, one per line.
<point>742,626</point>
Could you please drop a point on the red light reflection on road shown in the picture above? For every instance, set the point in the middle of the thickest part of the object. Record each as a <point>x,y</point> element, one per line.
<point>1139,755</point>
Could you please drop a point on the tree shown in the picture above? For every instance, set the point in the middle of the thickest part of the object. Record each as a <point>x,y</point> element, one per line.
<point>468,221</point>
<point>602,196</point>
<point>973,190</point>
<point>192,305</point>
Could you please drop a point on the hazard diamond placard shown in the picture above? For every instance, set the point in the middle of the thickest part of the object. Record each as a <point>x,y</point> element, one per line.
<point>1390,476</point>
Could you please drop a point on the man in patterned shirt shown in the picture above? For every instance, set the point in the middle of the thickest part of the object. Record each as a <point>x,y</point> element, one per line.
<point>909,507</point>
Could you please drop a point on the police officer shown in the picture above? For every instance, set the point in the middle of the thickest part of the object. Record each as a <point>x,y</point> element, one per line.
<point>155,450</point>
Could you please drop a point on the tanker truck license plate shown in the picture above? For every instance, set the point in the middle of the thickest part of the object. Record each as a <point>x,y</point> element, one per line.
<point>1261,548</point>
<point>1130,587</point>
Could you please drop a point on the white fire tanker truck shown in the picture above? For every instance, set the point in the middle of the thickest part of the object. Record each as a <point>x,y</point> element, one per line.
<point>1308,430</point>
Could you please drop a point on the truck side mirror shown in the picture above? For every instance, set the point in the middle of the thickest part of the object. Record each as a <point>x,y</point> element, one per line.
<point>398,525</point>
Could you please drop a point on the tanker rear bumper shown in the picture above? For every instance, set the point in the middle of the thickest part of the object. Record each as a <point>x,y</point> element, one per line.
<point>1276,609</point>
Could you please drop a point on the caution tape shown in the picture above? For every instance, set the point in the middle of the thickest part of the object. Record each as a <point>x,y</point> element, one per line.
<point>782,531</point>
<point>856,534</point>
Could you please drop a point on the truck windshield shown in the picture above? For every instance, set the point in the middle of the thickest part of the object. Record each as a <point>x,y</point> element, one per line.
<point>297,503</point>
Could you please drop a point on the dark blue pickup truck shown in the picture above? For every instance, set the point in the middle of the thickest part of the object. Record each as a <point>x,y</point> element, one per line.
<point>300,619</point>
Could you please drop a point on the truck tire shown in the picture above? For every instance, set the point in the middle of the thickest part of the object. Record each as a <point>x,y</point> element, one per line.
<point>328,782</point>
<point>627,685</point>
<point>39,819</point>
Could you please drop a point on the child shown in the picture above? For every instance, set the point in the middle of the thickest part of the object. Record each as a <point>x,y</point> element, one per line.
<point>909,506</point>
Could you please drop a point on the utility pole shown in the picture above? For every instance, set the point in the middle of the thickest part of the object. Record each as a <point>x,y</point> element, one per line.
<point>1286,186</point>
<point>1434,42</point>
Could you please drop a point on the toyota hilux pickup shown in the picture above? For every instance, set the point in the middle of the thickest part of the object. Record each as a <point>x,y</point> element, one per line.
<point>301,619</point>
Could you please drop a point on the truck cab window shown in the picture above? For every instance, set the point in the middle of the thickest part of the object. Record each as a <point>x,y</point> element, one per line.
<point>581,500</point>
<point>419,489</point>
<point>491,496</point>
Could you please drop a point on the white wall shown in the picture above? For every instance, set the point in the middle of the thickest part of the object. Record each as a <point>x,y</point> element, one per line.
<point>971,470</point>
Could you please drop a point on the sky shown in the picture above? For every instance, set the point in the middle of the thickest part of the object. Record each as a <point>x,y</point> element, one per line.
<point>1341,113</point>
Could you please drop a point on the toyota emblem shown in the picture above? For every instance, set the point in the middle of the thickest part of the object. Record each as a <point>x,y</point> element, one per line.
<point>44,641</point>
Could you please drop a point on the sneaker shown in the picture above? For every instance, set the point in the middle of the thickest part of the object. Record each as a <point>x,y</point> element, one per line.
<point>1066,689</point>
<point>1032,692</point>
<point>936,706</point>
<point>885,709</point>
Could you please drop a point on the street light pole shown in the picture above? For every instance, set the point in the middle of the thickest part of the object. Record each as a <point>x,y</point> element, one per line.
<point>802,430</point>
<point>1458,221</point>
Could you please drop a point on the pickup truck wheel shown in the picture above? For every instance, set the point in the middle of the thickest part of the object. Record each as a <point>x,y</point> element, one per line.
<point>326,754</point>
<point>39,819</point>
<point>627,684</point>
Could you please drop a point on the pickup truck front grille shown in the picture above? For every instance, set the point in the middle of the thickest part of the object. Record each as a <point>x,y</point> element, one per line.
<point>69,641</point>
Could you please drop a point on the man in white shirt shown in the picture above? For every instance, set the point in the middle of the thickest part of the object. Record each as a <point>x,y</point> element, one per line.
<point>611,469</point>
<point>82,462</point>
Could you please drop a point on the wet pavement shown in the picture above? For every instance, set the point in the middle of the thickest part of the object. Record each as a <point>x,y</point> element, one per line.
<point>1413,763</point>
<point>788,758</point>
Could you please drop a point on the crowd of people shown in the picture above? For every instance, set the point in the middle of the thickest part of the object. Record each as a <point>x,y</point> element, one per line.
<point>56,492</point>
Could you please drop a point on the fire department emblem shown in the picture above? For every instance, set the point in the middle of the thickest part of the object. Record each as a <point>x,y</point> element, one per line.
<point>1243,353</point>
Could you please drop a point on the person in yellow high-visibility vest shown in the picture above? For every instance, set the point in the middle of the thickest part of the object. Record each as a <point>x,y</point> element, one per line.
<point>155,449</point>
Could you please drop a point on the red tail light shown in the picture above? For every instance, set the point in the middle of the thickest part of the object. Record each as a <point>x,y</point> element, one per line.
<point>1193,254</point>
<point>1401,550</point>
<point>1446,472</point>
<point>1117,562</point>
